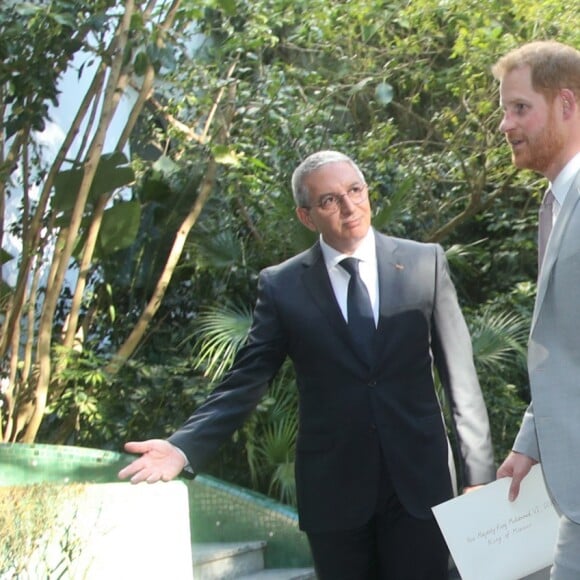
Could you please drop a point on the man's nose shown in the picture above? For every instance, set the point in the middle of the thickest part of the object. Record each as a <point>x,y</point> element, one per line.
<point>506,124</point>
<point>346,204</point>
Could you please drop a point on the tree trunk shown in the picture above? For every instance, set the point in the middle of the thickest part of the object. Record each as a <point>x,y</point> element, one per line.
<point>110,101</point>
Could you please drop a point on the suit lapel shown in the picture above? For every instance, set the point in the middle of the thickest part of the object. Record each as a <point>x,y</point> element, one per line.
<point>387,265</point>
<point>553,247</point>
<point>317,283</point>
<point>390,267</point>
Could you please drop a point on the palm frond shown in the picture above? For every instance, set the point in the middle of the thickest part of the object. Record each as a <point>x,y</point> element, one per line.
<point>462,251</point>
<point>278,440</point>
<point>460,256</point>
<point>283,483</point>
<point>217,251</point>
<point>499,340</point>
<point>221,330</point>
<point>283,394</point>
<point>277,448</point>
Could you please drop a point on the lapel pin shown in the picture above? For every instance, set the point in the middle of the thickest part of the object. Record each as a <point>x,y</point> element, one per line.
<point>399,266</point>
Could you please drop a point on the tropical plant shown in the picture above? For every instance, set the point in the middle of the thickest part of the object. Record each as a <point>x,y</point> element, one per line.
<point>229,96</point>
<point>271,440</point>
<point>268,437</point>
<point>222,331</point>
<point>78,216</point>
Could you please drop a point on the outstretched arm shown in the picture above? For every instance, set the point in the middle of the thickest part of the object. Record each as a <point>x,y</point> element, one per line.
<point>517,466</point>
<point>159,461</point>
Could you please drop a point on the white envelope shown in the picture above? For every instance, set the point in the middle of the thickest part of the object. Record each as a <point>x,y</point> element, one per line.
<point>490,537</point>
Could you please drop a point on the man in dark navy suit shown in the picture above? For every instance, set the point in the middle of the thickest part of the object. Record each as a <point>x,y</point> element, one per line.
<point>372,455</point>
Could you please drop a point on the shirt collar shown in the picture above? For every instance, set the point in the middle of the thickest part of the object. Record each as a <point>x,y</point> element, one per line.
<point>366,251</point>
<point>564,180</point>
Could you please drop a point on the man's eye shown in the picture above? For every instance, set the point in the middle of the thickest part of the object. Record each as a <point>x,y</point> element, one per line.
<point>327,201</point>
<point>355,190</point>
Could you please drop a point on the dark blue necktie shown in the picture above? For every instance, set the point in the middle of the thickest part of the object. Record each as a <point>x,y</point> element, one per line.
<point>361,322</point>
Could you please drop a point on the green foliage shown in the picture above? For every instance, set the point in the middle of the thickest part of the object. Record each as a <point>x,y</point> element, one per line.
<point>499,345</point>
<point>222,332</point>
<point>119,228</point>
<point>404,87</point>
<point>112,173</point>
<point>150,399</point>
<point>499,341</point>
<point>270,439</point>
<point>32,35</point>
<point>120,222</point>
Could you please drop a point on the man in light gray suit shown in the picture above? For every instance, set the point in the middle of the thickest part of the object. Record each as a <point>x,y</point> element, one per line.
<point>540,97</point>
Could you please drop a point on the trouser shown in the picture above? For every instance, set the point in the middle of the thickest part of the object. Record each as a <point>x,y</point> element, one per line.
<point>567,555</point>
<point>392,545</point>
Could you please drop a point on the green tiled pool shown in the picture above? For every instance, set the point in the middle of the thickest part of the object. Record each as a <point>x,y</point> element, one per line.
<point>219,512</point>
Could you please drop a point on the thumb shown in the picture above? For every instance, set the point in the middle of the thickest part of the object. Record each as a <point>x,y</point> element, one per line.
<point>136,446</point>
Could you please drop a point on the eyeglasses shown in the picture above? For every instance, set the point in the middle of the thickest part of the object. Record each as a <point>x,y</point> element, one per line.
<point>331,202</point>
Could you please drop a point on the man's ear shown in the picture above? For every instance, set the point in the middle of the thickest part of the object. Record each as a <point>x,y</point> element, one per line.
<point>304,217</point>
<point>569,104</point>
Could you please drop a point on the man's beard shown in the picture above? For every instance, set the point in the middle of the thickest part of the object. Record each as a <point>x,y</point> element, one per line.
<point>542,148</point>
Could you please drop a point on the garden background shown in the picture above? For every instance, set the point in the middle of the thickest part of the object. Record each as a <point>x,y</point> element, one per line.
<point>130,262</point>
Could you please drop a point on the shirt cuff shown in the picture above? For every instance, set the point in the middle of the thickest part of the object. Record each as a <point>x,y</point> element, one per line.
<point>187,466</point>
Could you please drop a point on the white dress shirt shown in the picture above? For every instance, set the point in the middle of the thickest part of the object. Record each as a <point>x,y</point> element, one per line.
<point>339,277</point>
<point>562,184</point>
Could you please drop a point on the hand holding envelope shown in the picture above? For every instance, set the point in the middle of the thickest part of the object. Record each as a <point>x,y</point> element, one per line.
<point>490,537</point>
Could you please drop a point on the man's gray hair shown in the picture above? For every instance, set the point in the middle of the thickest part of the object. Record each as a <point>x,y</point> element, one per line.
<point>311,164</point>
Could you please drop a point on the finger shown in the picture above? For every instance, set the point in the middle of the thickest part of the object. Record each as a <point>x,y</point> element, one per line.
<point>140,476</point>
<point>514,488</point>
<point>133,468</point>
<point>126,472</point>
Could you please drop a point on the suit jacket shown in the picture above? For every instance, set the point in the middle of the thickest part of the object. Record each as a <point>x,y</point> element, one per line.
<point>550,431</point>
<point>353,416</point>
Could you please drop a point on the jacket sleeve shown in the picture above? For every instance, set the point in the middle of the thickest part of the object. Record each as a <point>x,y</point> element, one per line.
<point>526,440</point>
<point>453,357</point>
<point>242,388</point>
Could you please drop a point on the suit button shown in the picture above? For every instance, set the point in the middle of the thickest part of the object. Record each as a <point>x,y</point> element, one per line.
<point>373,427</point>
<point>372,383</point>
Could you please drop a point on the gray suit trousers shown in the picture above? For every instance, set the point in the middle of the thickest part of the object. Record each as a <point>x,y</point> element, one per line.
<point>567,556</point>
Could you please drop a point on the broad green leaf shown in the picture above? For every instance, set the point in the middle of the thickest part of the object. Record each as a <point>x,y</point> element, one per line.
<point>120,226</point>
<point>112,173</point>
<point>5,256</point>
